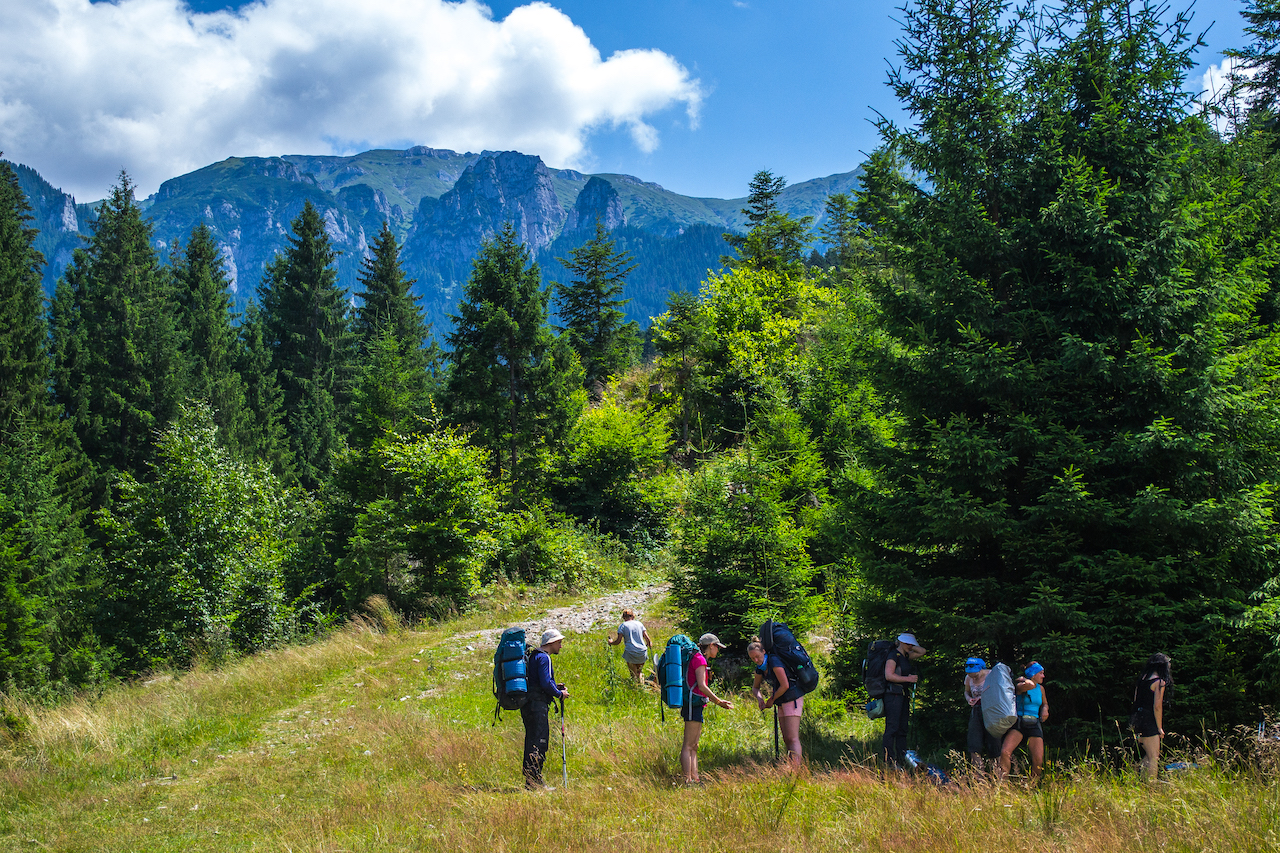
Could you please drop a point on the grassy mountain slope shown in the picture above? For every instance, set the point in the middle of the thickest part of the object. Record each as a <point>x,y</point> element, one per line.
<point>373,741</point>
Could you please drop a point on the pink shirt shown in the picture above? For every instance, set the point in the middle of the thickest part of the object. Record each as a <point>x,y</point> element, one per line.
<point>698,659</point>
<point>973,686</point>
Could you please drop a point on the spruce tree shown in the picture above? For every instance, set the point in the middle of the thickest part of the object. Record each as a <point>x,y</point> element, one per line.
<point>510,383</point>
<point>588,307</point>
<point>42,545</point>
<point>1084,465</point>
<point>389,305</point>
<point>304,314</point>
<point>265,437</point>
<point>118,366</point>
<point>24,359</point>
<point>208,338</point>
<point>775,241</point>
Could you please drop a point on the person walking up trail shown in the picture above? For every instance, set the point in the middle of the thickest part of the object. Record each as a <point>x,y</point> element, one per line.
<point>543,692</point>
<point>1033,710</point>
<point>898,676</point>
<point>696,678</point>
<point>638,643</point>
<point>1147,717</point>
<point>784,696</point>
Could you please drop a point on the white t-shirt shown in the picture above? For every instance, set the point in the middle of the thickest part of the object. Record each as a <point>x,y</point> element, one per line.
<point>633,636</point>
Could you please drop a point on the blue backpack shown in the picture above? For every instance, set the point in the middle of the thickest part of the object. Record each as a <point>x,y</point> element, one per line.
<point>510,672</point>
<point>777,639</point>
<point>673,691</point>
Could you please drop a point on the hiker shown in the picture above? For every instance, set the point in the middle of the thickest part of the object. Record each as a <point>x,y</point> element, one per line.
<point>897,703</point>
<point>783,695</point>
<point>980,743</point>
<point>1033,710</point>
<point>696,678</point>
<point>543,691</point>
<point>637,640</point>
<point>1147,717</point>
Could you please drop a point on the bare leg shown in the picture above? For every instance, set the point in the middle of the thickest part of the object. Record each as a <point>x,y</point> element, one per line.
<point>791,737</point>
<point>1150,757</point>
<point>1035,746</point>
<point>689,751</point>
<point>1007,746</point>
<point>636,669</point>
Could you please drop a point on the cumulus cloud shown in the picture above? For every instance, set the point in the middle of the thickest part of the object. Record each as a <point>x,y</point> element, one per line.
<point>147,85</point>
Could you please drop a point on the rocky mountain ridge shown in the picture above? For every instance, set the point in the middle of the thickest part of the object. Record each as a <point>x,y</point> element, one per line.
<point>441,204</point>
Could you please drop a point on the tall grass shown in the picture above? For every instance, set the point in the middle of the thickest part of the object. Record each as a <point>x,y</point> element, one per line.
<point>386,741</point>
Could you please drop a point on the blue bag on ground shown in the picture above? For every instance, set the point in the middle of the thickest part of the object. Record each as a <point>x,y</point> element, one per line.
<point>511,671</point>
<point>999,707</point>
<point>777,639</point>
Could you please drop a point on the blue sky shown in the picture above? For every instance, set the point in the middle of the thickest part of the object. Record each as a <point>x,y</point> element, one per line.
<point>706,93</point>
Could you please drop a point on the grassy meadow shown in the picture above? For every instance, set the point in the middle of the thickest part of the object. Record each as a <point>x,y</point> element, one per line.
<point>376,739</point>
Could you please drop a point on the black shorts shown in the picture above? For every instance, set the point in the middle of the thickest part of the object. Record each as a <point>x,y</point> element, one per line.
<point>1030,727</point>
<point>1144,722</point>
<point>691,711</point>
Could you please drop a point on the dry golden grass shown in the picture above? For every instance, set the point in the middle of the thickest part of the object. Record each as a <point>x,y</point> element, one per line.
<point>371,741</point>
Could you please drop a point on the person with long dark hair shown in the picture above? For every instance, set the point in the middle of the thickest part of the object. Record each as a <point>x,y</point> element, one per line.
<point>1147,717</point>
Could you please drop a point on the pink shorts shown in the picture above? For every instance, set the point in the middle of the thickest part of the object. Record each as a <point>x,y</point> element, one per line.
<point>793,708</point>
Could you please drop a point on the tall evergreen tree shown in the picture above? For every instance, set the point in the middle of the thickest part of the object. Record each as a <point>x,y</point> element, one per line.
<point>24,359</point>
<point>1262,56</point>
<point>588,307</point>
<point>42,545</point>
<point>209,340</point>
<point>265,437</point>
<point>1084,469</point>
<point>775,241</point>
<point>304,314</point>
<point>509,376</point>
<point>389,305</point>
<point>118,371</point>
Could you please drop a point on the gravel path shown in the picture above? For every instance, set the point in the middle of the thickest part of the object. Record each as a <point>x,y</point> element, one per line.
<point>579,618</point>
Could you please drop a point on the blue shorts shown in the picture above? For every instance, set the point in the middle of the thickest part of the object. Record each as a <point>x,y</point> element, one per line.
<point>691,712</point>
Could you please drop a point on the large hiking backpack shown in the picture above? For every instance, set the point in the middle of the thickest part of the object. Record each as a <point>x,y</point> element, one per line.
<point>777,639</point>
<point>673,663</point>
<point>878,654</point>
<point>999,705</point>
<point>511,671</point>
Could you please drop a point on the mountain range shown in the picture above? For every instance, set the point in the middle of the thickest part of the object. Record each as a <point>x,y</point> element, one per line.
<point>441,205</point>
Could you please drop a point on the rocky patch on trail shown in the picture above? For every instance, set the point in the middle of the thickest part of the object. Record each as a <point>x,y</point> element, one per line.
<point>578,618</point>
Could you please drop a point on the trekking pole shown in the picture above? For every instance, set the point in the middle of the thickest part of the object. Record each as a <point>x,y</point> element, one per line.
<point>564,755</point>
<point>775,732</point>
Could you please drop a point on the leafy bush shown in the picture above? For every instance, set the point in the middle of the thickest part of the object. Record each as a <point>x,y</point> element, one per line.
<point>613,474</point>
<point>427,538</point>
<point>193,557</point>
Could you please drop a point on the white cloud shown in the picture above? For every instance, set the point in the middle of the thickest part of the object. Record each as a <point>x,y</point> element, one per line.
<point>86,89</point>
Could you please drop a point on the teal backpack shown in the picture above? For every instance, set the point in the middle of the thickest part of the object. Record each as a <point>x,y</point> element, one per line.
<point>510,672</point>
<point>673,692</point>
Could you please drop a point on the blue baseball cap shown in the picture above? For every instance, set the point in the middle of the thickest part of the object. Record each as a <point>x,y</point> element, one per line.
<point>974,665</point>
<point>1033,668</point>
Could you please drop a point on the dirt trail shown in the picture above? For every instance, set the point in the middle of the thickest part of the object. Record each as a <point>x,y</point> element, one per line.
<point>578,618</point>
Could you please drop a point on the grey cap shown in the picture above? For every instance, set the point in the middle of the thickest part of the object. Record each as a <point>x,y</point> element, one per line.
<point>550,636</point>
<point>710,640</point>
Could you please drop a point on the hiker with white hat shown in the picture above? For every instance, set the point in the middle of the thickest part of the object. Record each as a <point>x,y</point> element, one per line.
<point>543,691</point>
<point>897,703</point>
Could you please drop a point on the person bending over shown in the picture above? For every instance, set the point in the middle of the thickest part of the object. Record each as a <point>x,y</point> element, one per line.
<point>698,695</point>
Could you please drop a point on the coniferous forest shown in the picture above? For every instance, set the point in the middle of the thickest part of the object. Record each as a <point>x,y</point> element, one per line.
<point>1025,403</point>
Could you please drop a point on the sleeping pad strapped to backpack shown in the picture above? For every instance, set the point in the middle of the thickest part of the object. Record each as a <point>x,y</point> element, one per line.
<point>511,671</point>
<point>999,707</point>
<point>777,639</point>
<point>672,666</point>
